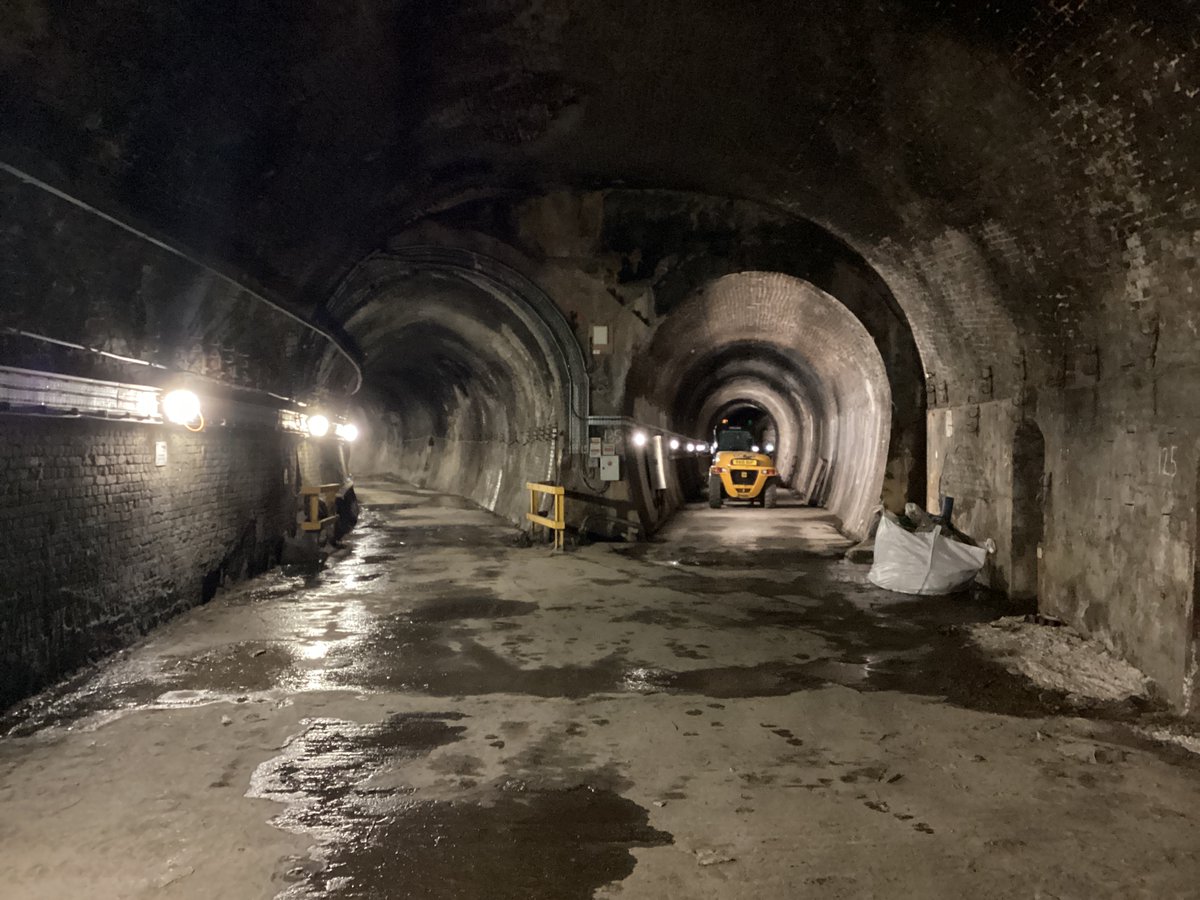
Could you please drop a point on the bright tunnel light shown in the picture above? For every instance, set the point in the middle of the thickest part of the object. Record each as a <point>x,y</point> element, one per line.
<point>770,448</point>
<point>348,432</point>
<point>754,448</point>
<point>180,407</point>
<point>691,448</point>
<point>674,443</point>
<point>639,439</point>
<point>318,425</point>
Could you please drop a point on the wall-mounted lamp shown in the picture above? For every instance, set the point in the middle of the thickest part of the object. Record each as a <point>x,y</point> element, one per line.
<point>639,439</point>
<point>347,431</point>
<point>674,443</point>
<point>183,408</point>
<point>317,425</point>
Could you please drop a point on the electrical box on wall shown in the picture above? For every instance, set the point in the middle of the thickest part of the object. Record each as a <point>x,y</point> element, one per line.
<point>160,453</point>
<point>599,339</point>
<point>610,468</point>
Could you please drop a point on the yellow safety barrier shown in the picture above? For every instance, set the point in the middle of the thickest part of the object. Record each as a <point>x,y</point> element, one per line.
<point>558,523</point>
<point>312,494</point>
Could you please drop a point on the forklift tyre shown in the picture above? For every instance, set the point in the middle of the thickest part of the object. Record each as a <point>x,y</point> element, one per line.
<point>714,491</point>
<point>770,498</point>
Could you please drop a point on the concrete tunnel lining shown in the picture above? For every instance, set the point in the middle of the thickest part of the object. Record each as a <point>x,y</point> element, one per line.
<point>512,290</point>
<point>469,384</point>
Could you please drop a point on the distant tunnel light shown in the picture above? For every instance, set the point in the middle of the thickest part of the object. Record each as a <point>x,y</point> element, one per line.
<point>754,448</point>
<point>181,407</point>
<point>691,448</point>
<point>318,425</point>
<point>639,439</point>
<point>770,448</point>
<point>348,432</point>
<point>674,443</point>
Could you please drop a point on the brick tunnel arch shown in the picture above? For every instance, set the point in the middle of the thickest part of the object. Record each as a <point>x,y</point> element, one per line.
<point>665,245</point>
<point>787,345</point>
<point>751,414</point>
<point>682,241</point>
<point>473,382</point>
<point>794,457</point>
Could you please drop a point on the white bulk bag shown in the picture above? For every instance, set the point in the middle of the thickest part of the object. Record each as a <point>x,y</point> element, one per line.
<point>922,563</point>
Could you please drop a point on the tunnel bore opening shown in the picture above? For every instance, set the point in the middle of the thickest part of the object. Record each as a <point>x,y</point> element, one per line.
<point>751,417</point>
<point>467,387</point>
<point>781,354</point>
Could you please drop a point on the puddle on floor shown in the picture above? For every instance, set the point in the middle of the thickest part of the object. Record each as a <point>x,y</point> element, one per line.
<point>558,844</point>
<point>471,605</point>
<point>507,840</point>
<point>428,501</point>
<point>495,538</point>
<point>332,758</point>
<point>663,617</point>
<point>241,667</point>
<point>90,692</point>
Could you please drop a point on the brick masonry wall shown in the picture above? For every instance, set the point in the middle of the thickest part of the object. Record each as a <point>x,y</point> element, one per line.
<point>101,544</point>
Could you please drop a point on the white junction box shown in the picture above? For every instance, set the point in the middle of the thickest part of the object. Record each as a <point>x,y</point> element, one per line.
<point>610,468</point>
<point>599,339</point>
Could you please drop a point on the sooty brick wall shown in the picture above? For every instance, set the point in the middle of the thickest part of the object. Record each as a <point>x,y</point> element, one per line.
<point>100,543</point>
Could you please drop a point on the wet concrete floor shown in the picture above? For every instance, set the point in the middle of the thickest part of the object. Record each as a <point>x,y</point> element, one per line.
<point>729,711</point>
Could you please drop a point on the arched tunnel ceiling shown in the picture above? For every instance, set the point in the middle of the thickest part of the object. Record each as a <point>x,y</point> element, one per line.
<point>462,390</point>
<point>705,384</point>
<point>438,343</point>
<point>955,145</point>
<point>798,435</point>
<point>765,325</point>
<point>794,350</point>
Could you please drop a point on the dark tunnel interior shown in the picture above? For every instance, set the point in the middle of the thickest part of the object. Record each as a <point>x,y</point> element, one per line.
<point>361,369</point>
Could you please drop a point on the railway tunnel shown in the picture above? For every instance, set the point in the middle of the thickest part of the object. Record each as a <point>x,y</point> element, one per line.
<point>296,303</point>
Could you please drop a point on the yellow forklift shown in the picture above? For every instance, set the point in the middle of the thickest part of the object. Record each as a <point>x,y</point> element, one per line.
<point>741,471</point>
